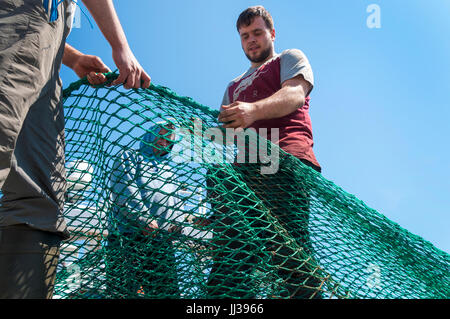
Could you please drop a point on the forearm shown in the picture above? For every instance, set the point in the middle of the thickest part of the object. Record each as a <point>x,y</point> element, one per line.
<point>70,56</point>
<point>283,102</point>
<point>107,20</point>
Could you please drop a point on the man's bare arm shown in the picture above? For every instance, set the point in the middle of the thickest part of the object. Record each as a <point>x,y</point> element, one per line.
<point>131,72</point>
<point>291,96</point>
<point>70,56</point>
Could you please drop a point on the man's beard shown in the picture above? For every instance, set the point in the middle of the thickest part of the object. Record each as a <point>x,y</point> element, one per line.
<point>262,57</point>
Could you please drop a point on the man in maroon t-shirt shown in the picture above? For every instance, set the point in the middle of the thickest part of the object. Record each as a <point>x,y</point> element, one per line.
<point>272,94</point>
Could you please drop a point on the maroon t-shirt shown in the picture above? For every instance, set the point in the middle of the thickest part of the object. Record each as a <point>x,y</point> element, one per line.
<point>295,129</point>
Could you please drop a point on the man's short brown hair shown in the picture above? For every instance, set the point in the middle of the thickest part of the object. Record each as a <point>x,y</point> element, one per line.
<point>248,15</point>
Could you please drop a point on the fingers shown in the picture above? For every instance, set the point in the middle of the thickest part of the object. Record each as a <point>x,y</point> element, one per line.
<point>131,73</point>
<point>233,121</point>
<point>154,224</point>
<point>228,118</point>
<point>100,66</point>
<point>137,80</point>
<point>120,79</point>
<point>146,80</point>
<point>96,78</point>
<point>126,77</point>
<point>234,124</point>
<point>226,107</point>
<point>151,229</point>
<point>133,79</point>
<point>228,113</point>
<point>129,81</point>
<point>237,115</point>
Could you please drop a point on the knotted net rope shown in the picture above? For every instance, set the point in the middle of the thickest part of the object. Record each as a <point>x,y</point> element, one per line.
<point>223,229</point>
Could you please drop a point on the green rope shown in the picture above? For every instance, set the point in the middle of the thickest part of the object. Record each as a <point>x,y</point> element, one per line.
<point>225,230</point>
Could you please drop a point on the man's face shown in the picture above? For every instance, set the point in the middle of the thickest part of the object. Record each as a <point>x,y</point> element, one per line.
<point>257,40</point>
<point>163,144</point>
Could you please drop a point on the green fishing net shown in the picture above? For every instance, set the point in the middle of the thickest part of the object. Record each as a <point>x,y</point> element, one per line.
<point>211,220</point>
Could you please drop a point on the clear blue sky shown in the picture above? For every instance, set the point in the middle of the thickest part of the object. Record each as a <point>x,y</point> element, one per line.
<point>380,106</point>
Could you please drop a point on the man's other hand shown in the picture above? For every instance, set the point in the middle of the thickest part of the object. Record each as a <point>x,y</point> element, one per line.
<point>131,73</point>
<point>238,115</point>
<point>92,67</point>
<point>151,229</point>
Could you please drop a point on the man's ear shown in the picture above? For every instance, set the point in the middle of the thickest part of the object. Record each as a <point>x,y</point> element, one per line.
<point>272,34</point>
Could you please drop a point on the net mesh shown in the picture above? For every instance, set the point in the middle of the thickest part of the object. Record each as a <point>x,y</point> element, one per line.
<point>194,224</point>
